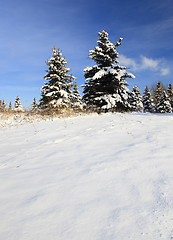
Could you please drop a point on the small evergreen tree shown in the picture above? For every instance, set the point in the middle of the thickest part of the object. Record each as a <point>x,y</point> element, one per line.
<point>157,92</point>
<point>76,98</point>
<point>10,106</point>
<point>34,106</point>
<point>135,100</point>
<point>3,106</point>
<point>56,93</point>
<point>131,101</point>
<point>147,100</point>
<point>105,86</point>
<point>170,93</point>
<point>17,105</point>
<point>163,105</point>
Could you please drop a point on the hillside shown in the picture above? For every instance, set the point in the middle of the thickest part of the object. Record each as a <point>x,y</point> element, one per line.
<point>96,177</point>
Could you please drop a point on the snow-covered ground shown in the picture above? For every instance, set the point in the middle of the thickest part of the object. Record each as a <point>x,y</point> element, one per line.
<point>15,119</point>
<point>97,177</point>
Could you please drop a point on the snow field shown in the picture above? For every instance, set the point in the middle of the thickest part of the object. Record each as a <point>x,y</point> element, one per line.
<point>94,177</point>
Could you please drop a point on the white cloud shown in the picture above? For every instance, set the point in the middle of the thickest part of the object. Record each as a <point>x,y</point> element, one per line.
<point>145,63</point>
<point>149,63</point>
<point>129,62</point>
<point>165,71</point>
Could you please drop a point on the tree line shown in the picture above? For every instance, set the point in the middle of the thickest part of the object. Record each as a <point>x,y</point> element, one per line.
<point>105,88</point>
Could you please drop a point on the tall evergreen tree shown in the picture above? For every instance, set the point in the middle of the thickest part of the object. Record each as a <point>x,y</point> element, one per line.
<point>147,100</point>
<point>105,86</point>
<point>170,93</point>
<point>163,105</point>
<point>17,105</point>
<point>56,92</point>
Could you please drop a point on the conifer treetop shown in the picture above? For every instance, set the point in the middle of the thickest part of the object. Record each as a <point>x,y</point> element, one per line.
<point>136,100</point>
<point>105,84</point>
<point>105,54</point>
<point>56,92</point>
<point>147,100</point>
<point>170,90</point>
<point>164,105</point>
<point>18,105</point>
<point>57,65</point>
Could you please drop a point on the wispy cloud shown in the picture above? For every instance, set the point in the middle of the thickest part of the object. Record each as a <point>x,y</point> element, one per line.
<point>149,63</point>
<point>129,62</point>
<point>165,71</point>
<point>145,63</point>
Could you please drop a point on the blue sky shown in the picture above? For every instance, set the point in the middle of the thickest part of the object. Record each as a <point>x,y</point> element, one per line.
<point>30,29</point>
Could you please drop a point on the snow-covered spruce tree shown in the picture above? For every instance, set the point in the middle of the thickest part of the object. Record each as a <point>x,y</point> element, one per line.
<point>131,101</point>
<point>3,106</point>
<point>34,106</point>
<point>147,100</point>
<point>10,106</point>
<point>56,93</point>
<point>170,93</point>
<point>157,92</point>
<point>135,100</point>
<point>163,105</point>
<point>17,105</point>
<point>105,86</point>
<point>76,100</point>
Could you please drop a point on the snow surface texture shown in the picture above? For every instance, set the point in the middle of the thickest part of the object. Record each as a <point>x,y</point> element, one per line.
<point>94,177</point>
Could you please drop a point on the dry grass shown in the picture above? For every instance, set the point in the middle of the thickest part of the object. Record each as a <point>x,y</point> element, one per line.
<point>13,118</point>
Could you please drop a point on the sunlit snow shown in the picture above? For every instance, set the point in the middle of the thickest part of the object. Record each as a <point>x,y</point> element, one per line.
<point>95,177</point>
